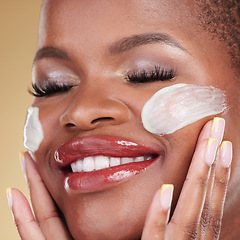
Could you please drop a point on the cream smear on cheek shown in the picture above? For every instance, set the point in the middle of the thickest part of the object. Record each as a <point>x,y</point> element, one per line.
<point>33,132</point>
<point>179,105</point>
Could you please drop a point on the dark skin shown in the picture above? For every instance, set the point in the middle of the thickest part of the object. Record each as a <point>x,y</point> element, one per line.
<point>85,36</point>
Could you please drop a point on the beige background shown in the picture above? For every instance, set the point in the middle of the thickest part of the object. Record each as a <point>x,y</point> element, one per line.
<point>18,39</point>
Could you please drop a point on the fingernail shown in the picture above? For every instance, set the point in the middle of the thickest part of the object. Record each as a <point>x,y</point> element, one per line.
<point>217,130</point>
<point>225,154</point>
<point>166,196</point>
<point>22,161</point>
<point>9,197</point>
<point>211,151</point>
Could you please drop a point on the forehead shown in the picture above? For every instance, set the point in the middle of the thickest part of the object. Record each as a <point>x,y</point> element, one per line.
<point>89,27</point>
<point>84,7</point>
<point>119,17</point>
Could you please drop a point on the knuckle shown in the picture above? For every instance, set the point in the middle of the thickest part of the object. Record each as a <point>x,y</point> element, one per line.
<point>160,228</point>
<point>50,216</point>
<point>191,231</point>
<point>21,224</point>
<point>35,182</point>
<point>17,223</point>
<point>204,222</point>
<point>205,217</point>
<point>201,182</point>
<point>221,182</point>
<point>214,225</point>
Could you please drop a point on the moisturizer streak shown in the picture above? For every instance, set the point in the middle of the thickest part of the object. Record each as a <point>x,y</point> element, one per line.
<point>33,133</point>
<point>179,105</point>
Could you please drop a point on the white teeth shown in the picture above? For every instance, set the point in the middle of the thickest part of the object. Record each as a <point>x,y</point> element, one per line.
<point>89,164</point>
<point>126,160</point>
<point>101,162</point>
<point>77,166</point>
<point>147,158</point>
<point>73,166</point>
<point>139,159</point>
<point>115,161</point>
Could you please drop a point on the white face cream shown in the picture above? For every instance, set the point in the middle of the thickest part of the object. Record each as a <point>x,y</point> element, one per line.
<point>179,105</point>
<point>33,133</point>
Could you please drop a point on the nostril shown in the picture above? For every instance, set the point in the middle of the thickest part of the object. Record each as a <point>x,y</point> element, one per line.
<point>101,119</point>
<point>70,125</point>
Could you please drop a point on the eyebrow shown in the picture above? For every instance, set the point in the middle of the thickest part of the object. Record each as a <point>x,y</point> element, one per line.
<point>118,47</point>
<point>51,52</point>
<point>134,41</point>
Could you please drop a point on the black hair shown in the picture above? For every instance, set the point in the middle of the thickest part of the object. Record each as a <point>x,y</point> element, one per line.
<point>222,19</point>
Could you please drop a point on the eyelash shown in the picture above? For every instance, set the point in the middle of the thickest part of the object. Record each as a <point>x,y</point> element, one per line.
<point>158,74</point>
<point>49,89</point>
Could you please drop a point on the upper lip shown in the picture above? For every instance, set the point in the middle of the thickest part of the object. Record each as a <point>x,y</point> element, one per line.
<point>79,148</point>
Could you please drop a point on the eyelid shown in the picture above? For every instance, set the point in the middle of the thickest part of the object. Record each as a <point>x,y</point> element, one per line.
<point>53,82</point>
<point>54,71</point>
<point>60,77</point>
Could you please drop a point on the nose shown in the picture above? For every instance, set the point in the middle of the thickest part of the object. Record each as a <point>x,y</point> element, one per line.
<point>88,110</point>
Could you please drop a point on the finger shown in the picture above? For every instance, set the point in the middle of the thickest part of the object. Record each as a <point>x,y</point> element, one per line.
<point>24,220</point>
<point>217,131</point>
<point>190,204</point>
<point>44,207</point>
<point>222,175</point>
<point>206,208</point>
<point>205,133</point>
<point>158,214</point>
<point>213,129</point>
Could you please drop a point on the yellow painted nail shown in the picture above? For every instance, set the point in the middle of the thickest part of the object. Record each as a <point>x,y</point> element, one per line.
<point>217,130</point>
<point>215,122</point>
<point>9,197</point>
<point>22,161</point>
<point>223,145</point>
<point>166,196</point>
<point>211,151</point>
<point>225,154</point>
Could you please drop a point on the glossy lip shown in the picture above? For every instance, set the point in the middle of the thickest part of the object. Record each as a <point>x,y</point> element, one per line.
<point>97,180</point>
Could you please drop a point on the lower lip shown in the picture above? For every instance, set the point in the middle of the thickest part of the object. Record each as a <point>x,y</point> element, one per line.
<point>105,178</point>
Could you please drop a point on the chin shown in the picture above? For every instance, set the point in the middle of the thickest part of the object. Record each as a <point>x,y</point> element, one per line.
<point>108,228</point>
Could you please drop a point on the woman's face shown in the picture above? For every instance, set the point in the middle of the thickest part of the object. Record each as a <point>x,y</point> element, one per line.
<point>103,48</point>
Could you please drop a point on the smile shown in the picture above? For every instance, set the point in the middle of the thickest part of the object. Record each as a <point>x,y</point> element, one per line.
<point>95,163</point>
<point>89,164</point>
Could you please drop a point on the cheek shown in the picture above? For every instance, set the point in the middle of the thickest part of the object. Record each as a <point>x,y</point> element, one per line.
<point>33,132</point>
<point>177,106</point>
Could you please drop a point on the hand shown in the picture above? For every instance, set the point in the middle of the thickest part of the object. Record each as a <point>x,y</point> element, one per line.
<point>47,223</point>
<point>199,210</point>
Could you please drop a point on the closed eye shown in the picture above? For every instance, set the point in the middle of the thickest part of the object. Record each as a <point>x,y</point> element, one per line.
<point>49,89</point>
<point>158,74</point>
